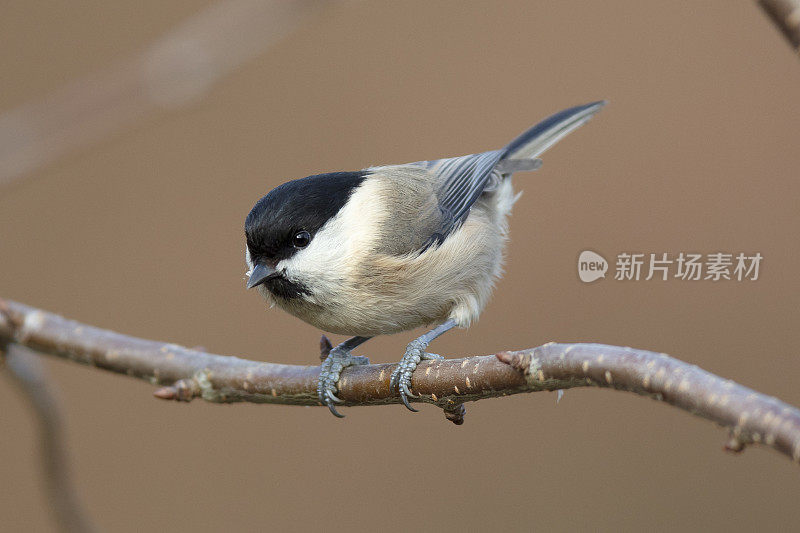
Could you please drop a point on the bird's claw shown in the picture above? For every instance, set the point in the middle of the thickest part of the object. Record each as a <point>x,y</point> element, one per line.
<point>334,412</point>
<point>330,370</point>
<point>408,405</point>
<point>407,392</point>
<point>401,377</point>
<point>332,397</point>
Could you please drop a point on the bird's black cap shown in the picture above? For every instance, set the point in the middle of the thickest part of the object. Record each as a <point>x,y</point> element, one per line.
<point>300,205</point>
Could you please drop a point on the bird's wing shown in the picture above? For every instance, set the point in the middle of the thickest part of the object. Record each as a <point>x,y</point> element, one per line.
<point>463,179</point>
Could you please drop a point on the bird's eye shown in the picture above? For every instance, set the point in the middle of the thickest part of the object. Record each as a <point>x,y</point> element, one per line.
<point>301,239</point>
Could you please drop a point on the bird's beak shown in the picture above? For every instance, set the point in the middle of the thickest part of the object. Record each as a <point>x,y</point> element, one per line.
<point>260,274</point>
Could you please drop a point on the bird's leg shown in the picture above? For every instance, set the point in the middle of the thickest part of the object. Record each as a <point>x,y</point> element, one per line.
<point>331,368</point>
<point>415,352</point>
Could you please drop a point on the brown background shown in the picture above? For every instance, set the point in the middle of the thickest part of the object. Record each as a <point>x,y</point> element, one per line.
<point>142,233</point>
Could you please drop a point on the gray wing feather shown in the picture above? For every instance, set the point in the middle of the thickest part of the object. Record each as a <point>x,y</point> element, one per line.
<point>463,180</point>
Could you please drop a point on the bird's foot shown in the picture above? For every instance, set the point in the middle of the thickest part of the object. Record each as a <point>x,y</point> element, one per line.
<point>401,377</point>
<point>331,368</point>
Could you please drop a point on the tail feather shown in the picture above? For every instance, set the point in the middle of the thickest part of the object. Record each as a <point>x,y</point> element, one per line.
<point>509,166</point>
<point>546,133</point>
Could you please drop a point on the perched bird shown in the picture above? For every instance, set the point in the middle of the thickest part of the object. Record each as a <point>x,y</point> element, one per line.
<point>391,248</point>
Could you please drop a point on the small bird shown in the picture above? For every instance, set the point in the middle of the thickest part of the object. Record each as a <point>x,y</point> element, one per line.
<point>390,248</point>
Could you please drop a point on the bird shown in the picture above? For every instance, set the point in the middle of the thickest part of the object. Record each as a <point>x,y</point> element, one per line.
<point>391,248</point>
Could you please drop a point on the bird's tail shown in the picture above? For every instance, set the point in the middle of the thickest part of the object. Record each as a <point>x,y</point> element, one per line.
<point>521,153</point>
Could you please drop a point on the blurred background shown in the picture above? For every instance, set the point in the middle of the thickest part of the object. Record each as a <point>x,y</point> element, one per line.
<point>135,137</point>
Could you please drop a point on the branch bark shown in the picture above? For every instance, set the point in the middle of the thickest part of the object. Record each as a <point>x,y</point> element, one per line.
<point>184,374</point>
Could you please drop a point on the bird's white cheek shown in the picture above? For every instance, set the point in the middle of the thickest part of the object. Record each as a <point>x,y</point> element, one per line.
<point>248,261</point>
<point>316,266</point>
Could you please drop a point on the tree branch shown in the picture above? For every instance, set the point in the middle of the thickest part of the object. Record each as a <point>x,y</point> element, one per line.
<point>26,370</point>
<point>785,14</point>
<point>751,417</point>
<point>173,71</point>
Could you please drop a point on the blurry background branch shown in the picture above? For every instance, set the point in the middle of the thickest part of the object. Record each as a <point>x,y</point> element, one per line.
<point>751,417</point>
<point>174,71</point>
<point>786,16</point>
<point>28,373</point>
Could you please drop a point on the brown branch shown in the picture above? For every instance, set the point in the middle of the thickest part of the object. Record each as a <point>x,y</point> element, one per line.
<point>785,14</point>
<point>751,417</point>
<point>27,372</point>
